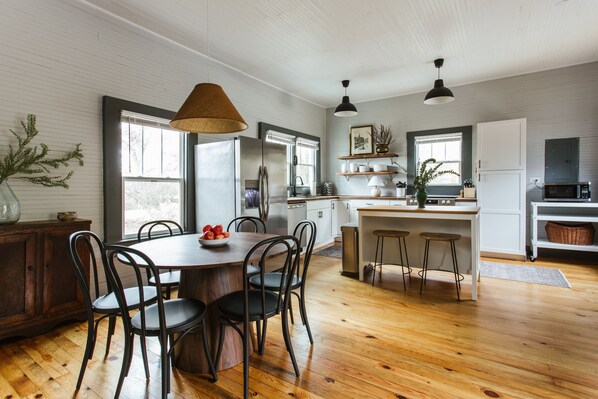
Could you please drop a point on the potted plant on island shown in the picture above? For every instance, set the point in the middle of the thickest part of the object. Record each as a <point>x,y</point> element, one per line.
<point>401,187</point>
<point>32,164</point>
<point>424,177</point>
<point>468,189</point>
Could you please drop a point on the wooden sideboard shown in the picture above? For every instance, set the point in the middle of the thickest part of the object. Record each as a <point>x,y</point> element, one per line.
<point>39,289</point>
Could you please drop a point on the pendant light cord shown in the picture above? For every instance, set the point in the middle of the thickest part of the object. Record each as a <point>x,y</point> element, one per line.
<point>208,34</point>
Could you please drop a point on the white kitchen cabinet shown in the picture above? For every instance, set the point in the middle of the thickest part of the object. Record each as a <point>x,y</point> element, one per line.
<point>356,204</point>
<point>397,202</point>
<point>340,216</point>
<point>501,187</point>
<point>320,212</point>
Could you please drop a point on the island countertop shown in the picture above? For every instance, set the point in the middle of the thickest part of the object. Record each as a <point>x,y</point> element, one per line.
<point>429,210</point>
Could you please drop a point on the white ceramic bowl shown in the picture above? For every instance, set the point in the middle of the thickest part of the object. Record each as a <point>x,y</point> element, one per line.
<point>364,168</point>
<point>380,168</point>
<point>213,243</point>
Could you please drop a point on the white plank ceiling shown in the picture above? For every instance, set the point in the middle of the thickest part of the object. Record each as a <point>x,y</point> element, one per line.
<point>385,47</point>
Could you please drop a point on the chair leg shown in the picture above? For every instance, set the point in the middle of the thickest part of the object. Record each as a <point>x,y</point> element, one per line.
<point>455,268</point>
<point>206,349</point>
<point>263,338</point>
<point>220,342</point>
<point>111,327</point>
<point>164,366</point>
<point>402,265</point>
<point>144,356</point>
<point>91,336</point>
<point>258,334</point>
<point>246,362</point>
<point>425,267</point>
<point>127,357</point>
<point>375,261</point>
<point>289,345</point>
<point>303,311</point>
<point>291,310</point>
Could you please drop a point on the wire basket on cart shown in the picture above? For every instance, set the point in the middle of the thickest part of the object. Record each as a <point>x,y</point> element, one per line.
<point>568,233</point>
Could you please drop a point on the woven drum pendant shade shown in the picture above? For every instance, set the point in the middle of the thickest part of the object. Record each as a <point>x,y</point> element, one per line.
<point>208,110</point>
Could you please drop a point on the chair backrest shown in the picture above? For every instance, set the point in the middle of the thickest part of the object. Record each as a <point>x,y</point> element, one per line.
<point>247,223</point>
<point>284,247</point>
<point>82,245</point>
<point>170,226</point>
<point>305,231</point>
<point>138,261</point>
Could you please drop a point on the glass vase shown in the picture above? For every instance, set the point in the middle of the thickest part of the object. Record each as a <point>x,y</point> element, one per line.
<point>10,207</point>
<point>421,196</point>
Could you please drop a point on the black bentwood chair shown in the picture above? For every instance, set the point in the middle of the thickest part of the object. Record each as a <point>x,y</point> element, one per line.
<point>305,230</point>
<point>248,224</point>
<point>81,245</point>
<point>260,304</point>
<point>162,319</point>
<point>164,228</point>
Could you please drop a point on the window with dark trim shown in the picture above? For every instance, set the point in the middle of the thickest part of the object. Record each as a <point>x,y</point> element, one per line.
<point>146,166</point>
<point>441,145</point>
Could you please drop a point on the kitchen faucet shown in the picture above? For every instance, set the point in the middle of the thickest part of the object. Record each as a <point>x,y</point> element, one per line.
<point>295,185</point>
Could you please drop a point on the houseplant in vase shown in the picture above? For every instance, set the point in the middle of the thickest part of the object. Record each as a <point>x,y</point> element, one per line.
<point>468,189</point>
<point>382,138</point>
<point>425,176</point>
<point>32,163</point>
<point>401,186</point>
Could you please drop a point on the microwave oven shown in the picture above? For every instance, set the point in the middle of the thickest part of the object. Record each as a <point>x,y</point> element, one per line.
<point>567,192</point>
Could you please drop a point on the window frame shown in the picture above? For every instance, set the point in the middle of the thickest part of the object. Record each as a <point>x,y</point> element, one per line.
<point>466,159</point>
<point>263,129</point>
<point>112,146</point>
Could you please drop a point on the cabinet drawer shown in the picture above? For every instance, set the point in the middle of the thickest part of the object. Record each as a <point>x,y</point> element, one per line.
<point>318,204</point>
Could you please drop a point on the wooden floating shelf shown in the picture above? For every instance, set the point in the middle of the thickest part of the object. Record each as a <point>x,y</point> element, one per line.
<point>368,156</point>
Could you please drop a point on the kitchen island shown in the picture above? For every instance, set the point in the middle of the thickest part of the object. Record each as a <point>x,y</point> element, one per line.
<point>441,219</point>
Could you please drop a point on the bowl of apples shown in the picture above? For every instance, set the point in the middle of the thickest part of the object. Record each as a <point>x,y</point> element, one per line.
<point>213,236</point>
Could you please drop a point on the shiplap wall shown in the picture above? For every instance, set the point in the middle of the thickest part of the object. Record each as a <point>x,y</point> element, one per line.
<point>558,103</point>
<point>57,60</point>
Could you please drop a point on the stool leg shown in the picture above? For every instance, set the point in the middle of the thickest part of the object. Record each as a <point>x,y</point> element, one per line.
<point>407,259</point>
<point>375,260</point>
<point>402,266</point>
<point>455,269</point>
<point>425,267</point>
<point>381,259</point>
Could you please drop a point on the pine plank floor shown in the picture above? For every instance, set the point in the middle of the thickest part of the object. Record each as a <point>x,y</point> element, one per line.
<point>517,341</point>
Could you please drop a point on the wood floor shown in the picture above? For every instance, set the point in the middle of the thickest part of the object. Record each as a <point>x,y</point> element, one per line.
<point>517,341</point>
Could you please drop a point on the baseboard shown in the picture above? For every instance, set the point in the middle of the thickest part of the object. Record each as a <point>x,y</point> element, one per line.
<point>500,255</point>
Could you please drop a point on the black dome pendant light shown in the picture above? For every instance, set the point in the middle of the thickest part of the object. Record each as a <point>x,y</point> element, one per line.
<point>439,94</point>
<point>345,108</point>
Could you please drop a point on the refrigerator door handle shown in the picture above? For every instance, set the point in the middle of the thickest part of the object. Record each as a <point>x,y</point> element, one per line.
<point>260,180</point>
<point>267,200</point>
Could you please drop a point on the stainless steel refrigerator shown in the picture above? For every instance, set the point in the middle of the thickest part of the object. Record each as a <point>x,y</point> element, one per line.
<point>241,177</point>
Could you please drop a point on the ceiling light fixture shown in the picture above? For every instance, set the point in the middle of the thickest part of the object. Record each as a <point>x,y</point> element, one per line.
<point>208,109</point>
<point>439,94</point>
<point>345,108</point>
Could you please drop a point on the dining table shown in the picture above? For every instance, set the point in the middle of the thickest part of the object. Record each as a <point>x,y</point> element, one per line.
<point>207,274</point>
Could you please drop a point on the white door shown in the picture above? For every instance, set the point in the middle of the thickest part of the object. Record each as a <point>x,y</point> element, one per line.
<point>501,186</point>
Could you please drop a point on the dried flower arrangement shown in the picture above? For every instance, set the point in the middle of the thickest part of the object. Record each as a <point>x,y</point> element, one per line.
<point>382,135</point>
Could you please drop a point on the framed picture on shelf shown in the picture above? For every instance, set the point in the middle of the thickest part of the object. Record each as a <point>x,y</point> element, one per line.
<point>360,140</point>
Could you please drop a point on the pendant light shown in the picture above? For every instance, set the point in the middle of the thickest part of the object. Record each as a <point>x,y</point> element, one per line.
<point>208,109</point>
<point>439,94</point>
<point>345,108</point>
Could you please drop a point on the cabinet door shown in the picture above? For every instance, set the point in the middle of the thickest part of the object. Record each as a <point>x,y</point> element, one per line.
<point>61,292</point>
<point>340,216</point>
<point>17,268</point>
<point>501,145</point>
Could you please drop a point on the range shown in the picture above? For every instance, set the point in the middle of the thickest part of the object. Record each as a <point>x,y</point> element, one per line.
<point>434,200</point>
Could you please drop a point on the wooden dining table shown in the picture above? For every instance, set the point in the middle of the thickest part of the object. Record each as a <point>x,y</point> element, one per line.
<point>207,274</point>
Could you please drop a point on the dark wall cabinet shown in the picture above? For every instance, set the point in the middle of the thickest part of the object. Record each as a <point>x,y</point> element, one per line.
<point>39,289</point>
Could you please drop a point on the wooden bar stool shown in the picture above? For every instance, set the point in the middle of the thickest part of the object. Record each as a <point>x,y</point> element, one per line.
<point>451,238</point>
<point>400,236</point>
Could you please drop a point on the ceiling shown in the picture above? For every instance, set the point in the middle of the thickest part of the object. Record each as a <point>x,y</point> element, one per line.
<point>385,47</point>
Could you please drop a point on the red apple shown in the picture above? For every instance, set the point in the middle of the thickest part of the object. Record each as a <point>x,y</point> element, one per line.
<point>226,234</point>
<point>208,235</point>
<point>217,229</point>
<point>218,237</point>
<point>207,227</point>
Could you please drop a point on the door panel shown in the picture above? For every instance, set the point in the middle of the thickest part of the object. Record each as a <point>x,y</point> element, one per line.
<point>500,233</point>
<point>500,191</point>
<point>501,145</point>
<point>17,298</point>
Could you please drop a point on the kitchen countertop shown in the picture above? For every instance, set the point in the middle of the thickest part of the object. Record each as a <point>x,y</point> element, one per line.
<point>358,197</point>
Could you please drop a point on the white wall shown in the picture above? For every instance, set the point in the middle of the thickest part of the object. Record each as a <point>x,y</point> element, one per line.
<point>57,60</point>
<point>558,103</point>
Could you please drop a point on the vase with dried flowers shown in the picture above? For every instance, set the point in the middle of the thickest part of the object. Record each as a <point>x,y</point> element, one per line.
<point>30,163</point>
<point>425,176</point>
<point>382,137</point>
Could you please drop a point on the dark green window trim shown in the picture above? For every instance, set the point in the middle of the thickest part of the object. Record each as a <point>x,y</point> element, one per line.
<point>466,159</point>
<point>112,108</point>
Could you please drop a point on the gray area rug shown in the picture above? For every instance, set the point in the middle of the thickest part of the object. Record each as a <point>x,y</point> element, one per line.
<point>526,274</point>
<point>335,251</point>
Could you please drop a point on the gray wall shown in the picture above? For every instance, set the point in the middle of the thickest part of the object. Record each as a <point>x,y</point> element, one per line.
<point>557,103</point>
<point>58,58</point>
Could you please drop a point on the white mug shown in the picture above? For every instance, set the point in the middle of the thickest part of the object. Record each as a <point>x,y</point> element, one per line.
<point>344,167</point>
<point>353,167</point>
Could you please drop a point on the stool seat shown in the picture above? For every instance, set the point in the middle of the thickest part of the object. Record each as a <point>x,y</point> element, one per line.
<point>391,233</point>
<point>440,236</point>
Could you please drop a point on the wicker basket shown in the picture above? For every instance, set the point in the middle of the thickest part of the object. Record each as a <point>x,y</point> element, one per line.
<point>574,234</point>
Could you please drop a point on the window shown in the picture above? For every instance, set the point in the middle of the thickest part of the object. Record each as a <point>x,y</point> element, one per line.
<point>303,153</point>
<point>152,171</point>
<point>452,146</point>
<point>148,169</point>
<point>445,148</point>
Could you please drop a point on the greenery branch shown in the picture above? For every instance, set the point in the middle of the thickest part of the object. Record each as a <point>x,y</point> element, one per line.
<point>425,176</point>
<point>382,135</point>
<point>30,163</point>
